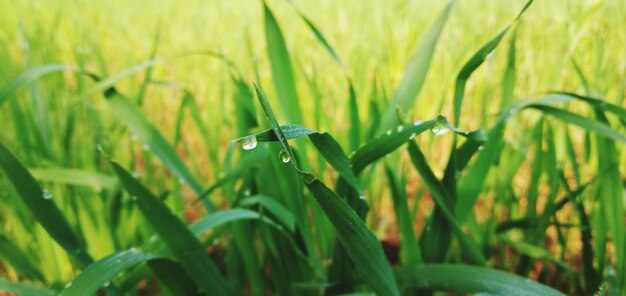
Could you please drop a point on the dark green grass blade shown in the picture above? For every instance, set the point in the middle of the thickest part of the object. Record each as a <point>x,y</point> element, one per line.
<point>387,143</point>
<point>179,239</point>
<point>282,71</point>
<point>99,274</point>
<point>443,199</point>
<point>271,118</point>
<point>274,207</point>
<point>173,276</point>
<point>335,156</point>
<point>8,90</point>
<point>508,81</point>
<point>44,209</point>
<point>290,131</point>
<point>411,253</point>
<point>416,71</point>
<point>24,289</point>
<point>470,279</point>
<point>13,255</point>
<point>360,243</point>
<point>354,134</point>
<point>74,177</point>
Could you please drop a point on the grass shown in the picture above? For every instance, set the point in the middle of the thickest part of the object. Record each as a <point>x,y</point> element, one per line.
<point>391,148</point>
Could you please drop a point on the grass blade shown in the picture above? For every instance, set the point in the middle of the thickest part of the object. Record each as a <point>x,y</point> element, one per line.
<point>100,273</point>
<point>24,289</point>
<point>11,254</point>
<point>274,207</point>
<point>29,76</point>
<point>73,177</point>
<point>281,68</point>
<point>42,206</point>
<point>173,276</point>
<point>180,240</point>
<point>470,279</point>
<point>416,71</point>
<point>360,243</point>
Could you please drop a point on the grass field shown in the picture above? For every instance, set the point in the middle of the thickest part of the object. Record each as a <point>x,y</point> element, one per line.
<point>309,148</point>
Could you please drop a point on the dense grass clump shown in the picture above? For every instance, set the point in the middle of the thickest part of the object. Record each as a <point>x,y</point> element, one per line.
<point>286,148</point>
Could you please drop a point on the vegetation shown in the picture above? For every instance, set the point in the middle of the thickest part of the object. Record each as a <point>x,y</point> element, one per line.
<point>296,148</point>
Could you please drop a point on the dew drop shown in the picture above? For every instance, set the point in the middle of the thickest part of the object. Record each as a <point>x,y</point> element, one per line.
<point>481,148</point>
<point>134,138</point>
<point>68,285</point>
<point>249,143</point>
<point>46,194</point>
<point>284,156</point>
<point>490,54</point>
<point>413,135</point>
<point>181,181</point>
<point>135,175</point>
<point>388,132</point>
<point>145,147</point>
<point>106,284</point>
<point>400,128</point>
<point>439,129</point>
<point>418,122</point>
<point>362,196</point>
<point>221,175</point>
<point>246,192</point>
<point>513,111</point>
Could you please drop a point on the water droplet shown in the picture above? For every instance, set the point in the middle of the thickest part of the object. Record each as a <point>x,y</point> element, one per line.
<point>284,156</point>
<point>439,129</point>
<point>388,132</point>
<point>99,148</point>
<point>133,197</point>
<point>135,175</point>
<point>68,285</point>
<point>308,178</point>
<point>362,196</point>
<point>133,249</point>
<point>400,128</point>
<point>246,192</point>
<point>490,54</point>
<point>181,181</point>
<point>413,135</point>
<point>481,148</point>
<point>513,111</point>
<point>221,175</point>
<point>145,147</point>
<point>106,284</point>
<point>418,122</point>
<point>46,194</point>
<point>134,138</point>
<point>249,143</point>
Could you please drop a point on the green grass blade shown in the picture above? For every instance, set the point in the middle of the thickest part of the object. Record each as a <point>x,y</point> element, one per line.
<point>290,131</point>
<point>442,199</point>
<point>222,217</point>
<point>274,207</point>
<point>471,280</point>
<point>99,274</point>
<point>43,207</point>
<point>320,37</point>
<point>284,81</point>
<point>73,177</point>
<point>416,71</point>
<point>173,276</point>
<point>139,125</point>
<point>24,289</point>
<point>360,243</point>
<point>474,62</point>
<point>387,143</point>
<point>13,255</point>
<point>410,252</point>
<point>354,134</point>
<point>586,123</point>
<point>335,156</point>
<point>508,81</point>
<point>179,239</point>
<point>8,90</point>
